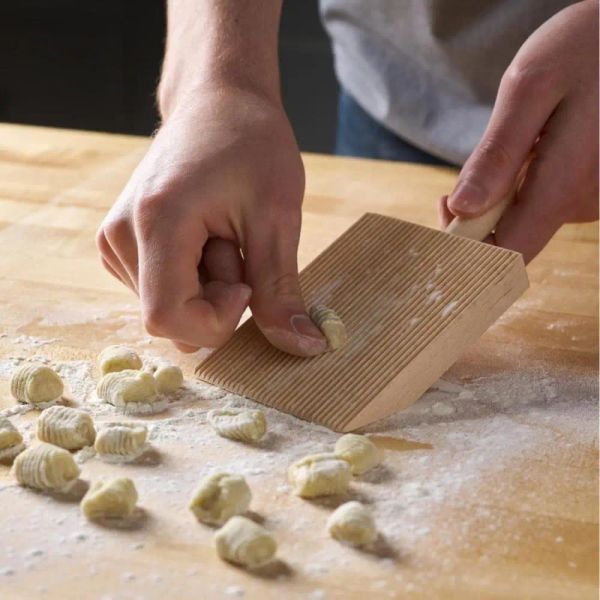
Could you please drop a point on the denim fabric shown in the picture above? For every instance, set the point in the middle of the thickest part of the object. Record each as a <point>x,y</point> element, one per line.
<point>358,134</point>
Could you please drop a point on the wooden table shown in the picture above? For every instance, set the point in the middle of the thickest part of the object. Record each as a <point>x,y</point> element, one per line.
<point>490,483</point>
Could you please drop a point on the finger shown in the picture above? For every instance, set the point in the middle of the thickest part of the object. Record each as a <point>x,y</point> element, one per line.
<point>222,261</point>
<point>272,271</point>
<point>524,103</point>
<point>444,214</point>
<point>121,237</point>
<point>174,303</point>
<point>541,203</point>
<point>185,348</point>
<point>111,262</point>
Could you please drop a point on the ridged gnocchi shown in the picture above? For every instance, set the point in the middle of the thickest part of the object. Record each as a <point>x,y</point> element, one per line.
<point>360,452</point>
<point>121,442</point>
<point>114,499</point>
<point>219,497</point>
<point>169,378</point>
<point>37,385</point>
<point>11,440</point>
<point>245,425</point>
<point>353,524</point>
<point>244,542</point>
<point>118,358</point>
<point>133,392</point>
<point>330,324</point>
<point>319,475</point>
<point>46,467</point>
<point>68,428</point>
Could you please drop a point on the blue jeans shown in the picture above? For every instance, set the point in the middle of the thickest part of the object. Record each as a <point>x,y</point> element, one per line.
<point>358,134</point>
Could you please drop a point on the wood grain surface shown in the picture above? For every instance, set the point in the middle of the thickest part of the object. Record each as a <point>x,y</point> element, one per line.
<point>521,525</point>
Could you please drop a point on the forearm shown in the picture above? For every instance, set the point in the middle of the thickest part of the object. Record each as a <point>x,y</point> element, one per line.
<point>219,43</point>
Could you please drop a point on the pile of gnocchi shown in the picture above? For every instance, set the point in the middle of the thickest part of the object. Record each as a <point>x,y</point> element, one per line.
<point>221,498</point>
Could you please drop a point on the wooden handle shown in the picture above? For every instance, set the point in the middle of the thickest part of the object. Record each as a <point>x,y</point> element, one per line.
<point>478,228</point>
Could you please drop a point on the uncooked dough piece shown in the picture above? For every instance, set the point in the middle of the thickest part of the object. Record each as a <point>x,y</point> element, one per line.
<point>133,392</point>
<point>319,475</point>
<point>46,467</point>
<point>244,542</point>
<point>68,428</point>
<point>121,442</point>
<point>37,385</point>
<point>243,424</point>
<point>359,451</point>
<point>219,497</point>
<point>168,378</point>
<point>114,499</point>
<point>11,441</point>
<point>353,524</point>
<point>330,325</point>
<point>118,358</point>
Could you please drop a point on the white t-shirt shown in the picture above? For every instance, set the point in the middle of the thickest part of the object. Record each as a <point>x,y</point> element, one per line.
<point>429,69</point>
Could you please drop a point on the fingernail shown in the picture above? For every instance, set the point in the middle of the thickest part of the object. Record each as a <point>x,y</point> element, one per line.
<point>303,326</point>
<point>467,197</point>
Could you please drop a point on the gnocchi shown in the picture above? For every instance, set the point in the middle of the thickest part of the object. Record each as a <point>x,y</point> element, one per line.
<point>240,424</point>
<point>114,499</point>
<point>133,392</point>
<point>46,467</point>
<point>118,358</point>
<point>244,542</point>
<point>360,452</point>
<point>353,524</point>
<point>169,378</point>
<point>219,497</point>
<point>68,428</point>
<point>319,475</point>
<point>37,385</point>
<point>330,325</point>
<point>11,441</point>
<point>121,442</point>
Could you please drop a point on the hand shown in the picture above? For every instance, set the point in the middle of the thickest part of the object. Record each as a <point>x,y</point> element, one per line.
<point>546,110</point>
<point>209,223</point>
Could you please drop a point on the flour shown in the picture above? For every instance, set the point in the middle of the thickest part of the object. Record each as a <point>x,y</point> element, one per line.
<point>458,433</point>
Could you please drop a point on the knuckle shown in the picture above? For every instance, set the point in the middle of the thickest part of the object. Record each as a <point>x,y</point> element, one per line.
<point>158,319</point>
<point>285,286</point>
<point>522,78</point>
<point>492,154</point>
<point>116,230</point>
<point>102,242</point>
<point>148,208</point>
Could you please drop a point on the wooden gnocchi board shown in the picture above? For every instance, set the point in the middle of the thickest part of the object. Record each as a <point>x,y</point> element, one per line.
<point>412,299</point>
<point>489,496</point>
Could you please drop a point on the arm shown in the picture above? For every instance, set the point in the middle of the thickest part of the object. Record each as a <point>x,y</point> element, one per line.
<point>209,222</point>
<point>546,111</point>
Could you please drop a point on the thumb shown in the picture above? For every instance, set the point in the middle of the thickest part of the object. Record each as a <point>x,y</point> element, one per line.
<point>519,115</point>
<point>277,303</point>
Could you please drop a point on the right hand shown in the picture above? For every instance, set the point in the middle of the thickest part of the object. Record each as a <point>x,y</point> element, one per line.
<point>209,223</point>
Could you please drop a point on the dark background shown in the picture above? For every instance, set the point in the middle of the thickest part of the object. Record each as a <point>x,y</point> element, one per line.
<point>94,64</point>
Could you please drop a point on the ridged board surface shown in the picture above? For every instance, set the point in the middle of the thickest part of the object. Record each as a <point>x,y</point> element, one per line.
<point>397,286</point>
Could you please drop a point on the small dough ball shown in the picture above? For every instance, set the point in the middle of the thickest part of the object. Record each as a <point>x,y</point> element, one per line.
<point>121,442</point>
<point>219,497</point>
<point>319,475</point>
<point>131,391</point>
<point>68,428</point>
<point>118,358</point>
<point>243,424</point>
<point>360,452</point>
<point>11,441</point>
<point>353,524</point>
<point>114,499</point>
<point>168,379</point>
<point>45,467</point>
<point>330,324</point>
<point>244,542</point>
<point>35,384</point>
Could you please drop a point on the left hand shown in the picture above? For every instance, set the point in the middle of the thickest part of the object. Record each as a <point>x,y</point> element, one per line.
<point>546,109</point>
